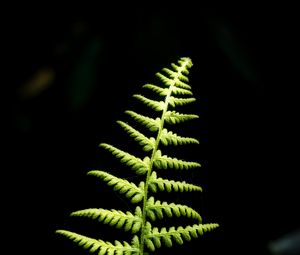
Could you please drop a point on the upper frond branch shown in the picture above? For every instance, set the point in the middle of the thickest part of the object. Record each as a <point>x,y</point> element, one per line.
<point>180,69</point>
<point>147,143</point>
<point>180,101</point>
<point>172,117</point>
<point>164,162</point>
<point>176,75</point>
<point>129,189</point>
<point>151,124</point>
<point>173,81</point>
<point>167,81</point>
<point>160,91</point>
<point>182,84</point>
<point>168,137</point>
<point>155,105</point>
<point>156,209</point>
<point>136,164</point>
<point>180,91</point>
<point>170,185</point>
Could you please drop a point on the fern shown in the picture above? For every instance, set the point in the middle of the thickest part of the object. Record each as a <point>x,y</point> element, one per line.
<point>176,92</point>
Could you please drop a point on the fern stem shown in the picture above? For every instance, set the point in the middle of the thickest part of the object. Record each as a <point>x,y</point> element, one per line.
<point>166,103</point>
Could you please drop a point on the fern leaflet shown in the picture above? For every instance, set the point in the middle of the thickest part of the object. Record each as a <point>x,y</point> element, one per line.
<point>151,124</point>
<point>101,246</point>
<point>129,189</point>
<point>170,185</point>
<point>172,117</point>
<point>138,165</point>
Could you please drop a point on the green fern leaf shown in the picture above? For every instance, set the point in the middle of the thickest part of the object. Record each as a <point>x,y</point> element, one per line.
<point>179,233</point>
<point>93,245</point>
<point>174,91</point>
<point>183,78</point>
<point>147,143</point>
<point>168,82</point>
<point>181,84</point>
<point>172,117</point>
<point>168,137</point>
<point>112,217</point>
<point>180,91</point>
<point>171,73</point>
<point>164,162</point>
<point>129,189</point>
<point>160,91</point>
<point>173,101</point>
<point>136,164</point>
<point>150,245</point>
<point>157,208</point>
<point>155,105</point>
<point>151,124</point>
<point>170,185</point>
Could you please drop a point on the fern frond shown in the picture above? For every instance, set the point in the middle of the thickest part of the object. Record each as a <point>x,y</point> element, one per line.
<point>173,101</point>
<point>156,208</point>
<point>93,245</point>
<point>168,138</point>
<point>129,189</point>
<point>138,165</point>
<point>173,91</point>
<point>147,143</point>
<point>152,124</point>
<point>156,236</point>
<point>164,162</point>
<point>155,105</point>
<point>113,217</point>
<point>170,185</point>
<point>160,91</point>
<point>172,117</point>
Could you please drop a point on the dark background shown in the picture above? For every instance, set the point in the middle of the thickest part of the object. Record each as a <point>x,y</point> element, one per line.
<point>70,79</point>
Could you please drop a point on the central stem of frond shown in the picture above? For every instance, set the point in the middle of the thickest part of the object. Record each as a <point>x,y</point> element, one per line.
<point>166,104</point>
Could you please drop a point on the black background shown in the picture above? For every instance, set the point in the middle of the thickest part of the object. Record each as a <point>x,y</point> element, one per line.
<point>243,81</point>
